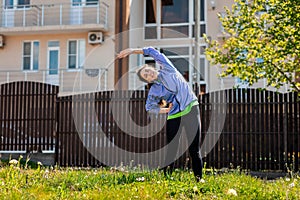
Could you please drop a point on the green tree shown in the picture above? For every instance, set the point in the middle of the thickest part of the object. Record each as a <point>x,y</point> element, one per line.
<point>262,42</point>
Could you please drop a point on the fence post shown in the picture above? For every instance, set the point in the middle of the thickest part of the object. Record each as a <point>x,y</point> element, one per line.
<point>285,123</point>
<point>57,130</point>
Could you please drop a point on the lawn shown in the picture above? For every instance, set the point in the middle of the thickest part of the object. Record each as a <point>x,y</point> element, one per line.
<point>20,181</point>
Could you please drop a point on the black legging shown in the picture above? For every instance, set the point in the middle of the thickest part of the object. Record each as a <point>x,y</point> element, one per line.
<point>191,123</point>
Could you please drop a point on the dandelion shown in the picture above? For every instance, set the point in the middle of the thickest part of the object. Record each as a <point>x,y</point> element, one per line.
<point>13,162</point>
<point>46,174</point>
<point>195,189</point>
<point>287,179</point>
<point>202,181</point>
<point>292,185</point>
<point>122,169</point>
<point>232,192</point>
<point>140,179</point>
<point>40,163</point>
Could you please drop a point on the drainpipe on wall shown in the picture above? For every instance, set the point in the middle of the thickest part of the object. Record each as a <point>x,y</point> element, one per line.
<point>196,46</point>
<point>122,11</point>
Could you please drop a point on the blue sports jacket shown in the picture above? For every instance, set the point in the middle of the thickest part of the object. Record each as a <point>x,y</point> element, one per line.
<point>170,85</point>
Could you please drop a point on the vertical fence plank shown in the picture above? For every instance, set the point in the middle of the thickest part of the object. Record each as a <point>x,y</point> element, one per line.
<point>4,137</point>
<point>254,132</point>
<point>1,118</point>
<point>297,131</point>
<point>49,127</point>
<point>296,115</point>
<point>23,115</point>
<point>235,126</point>
<point>267,131</point>
<point>243,142</point>
<point>49,112</point>
<point>105,118</point>
<point>36,118</point>
<point>272,156</point>
<point>277,134</point>
<point>80,106</point>
<point>67,127</point>
<point>9,123</point>
<point>58,131</point>
<point>230,126</point>
<point>31,116</point>
<point>283,130</point>
<point>14,129</point>
<point>221,139</point>
<point>91,137</point>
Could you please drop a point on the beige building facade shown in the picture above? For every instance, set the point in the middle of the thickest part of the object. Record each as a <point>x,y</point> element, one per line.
<point>61,42</point>
<point>73,43</point>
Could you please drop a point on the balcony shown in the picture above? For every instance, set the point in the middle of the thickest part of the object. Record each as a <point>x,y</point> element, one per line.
<point>54,18</point>
<point>70,81</point>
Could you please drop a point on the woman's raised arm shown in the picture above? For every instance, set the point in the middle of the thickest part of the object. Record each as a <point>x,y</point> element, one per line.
<point>126,52</point>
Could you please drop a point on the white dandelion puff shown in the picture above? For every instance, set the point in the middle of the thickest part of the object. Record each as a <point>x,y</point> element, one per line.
<point>232,192</point>
<point>13,162</point>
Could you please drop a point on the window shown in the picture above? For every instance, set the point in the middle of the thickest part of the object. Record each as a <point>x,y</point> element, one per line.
<point>31,55</point>
<point>23,2</point>
<point>91,2</point>
<point>179,56</point>
<point>11,4</point>
<point>202,18</point>
<point>84,2</point>
<point>76,54</point>
<point>182,57</point>
<point>175,19</point>
<point>174,11</point>
<point>172,19</point>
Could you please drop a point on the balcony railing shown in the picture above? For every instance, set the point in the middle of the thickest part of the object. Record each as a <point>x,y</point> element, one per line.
<point>69,80</point>
<point>54,14</point>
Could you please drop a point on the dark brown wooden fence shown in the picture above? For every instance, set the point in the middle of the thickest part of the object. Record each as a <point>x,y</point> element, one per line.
<point>252,129</point>
<point>261,129</point>
<point>28,117</point>
<point>76,122</point>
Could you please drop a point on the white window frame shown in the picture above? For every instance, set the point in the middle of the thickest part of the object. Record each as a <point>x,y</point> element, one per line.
<point>31,55</point>
<point>79,52</point>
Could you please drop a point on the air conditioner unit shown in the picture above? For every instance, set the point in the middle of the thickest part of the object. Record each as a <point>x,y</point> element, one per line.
<point>1,41</point>
<point>95,37</point>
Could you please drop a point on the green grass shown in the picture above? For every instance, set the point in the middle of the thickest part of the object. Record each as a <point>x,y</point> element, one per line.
<point>19,181</point>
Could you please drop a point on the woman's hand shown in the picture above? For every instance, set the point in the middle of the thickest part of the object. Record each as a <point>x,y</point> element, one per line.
<point>126,52</point>
<point>166,110</point>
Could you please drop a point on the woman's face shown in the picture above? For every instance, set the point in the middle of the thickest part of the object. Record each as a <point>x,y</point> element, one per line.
<point>149,74</point>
